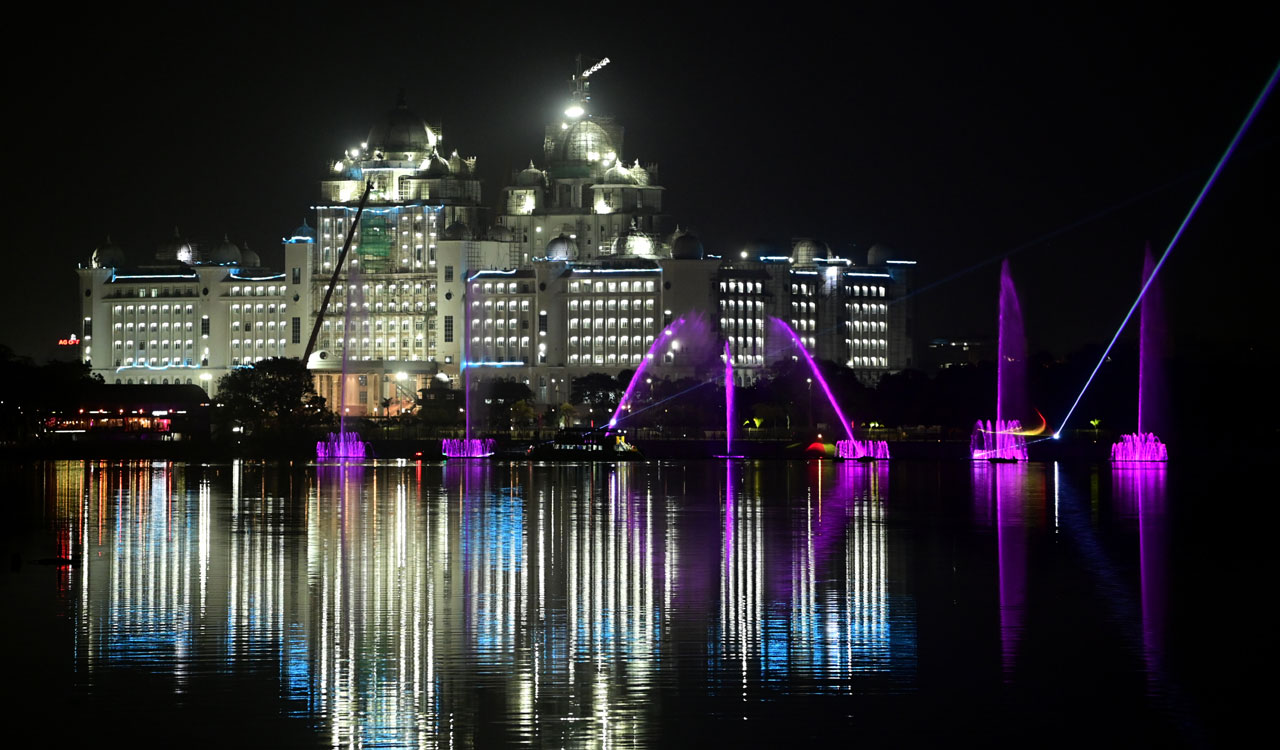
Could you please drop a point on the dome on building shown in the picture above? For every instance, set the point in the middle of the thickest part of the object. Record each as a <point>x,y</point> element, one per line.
<point>878,254</point>
<point>583,141</point>
<point>501,233</point>
<point>639,173</point>
<point>401,130</point>
<point>436,166</point>
<point>804,251</point>
<point>306,230</point>
<point>562,248</point>
<point>458,165</point>
<point>249,258</point>
<point>685,246</point>
<point>176,250</point>
<point>618,175</point>
<point>108,255</point>
<point>634,242</point>
<point>458,230</point>
<point>224,252</point>
<point>531,176</point>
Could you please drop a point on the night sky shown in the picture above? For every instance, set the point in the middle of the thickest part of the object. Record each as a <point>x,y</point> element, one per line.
<point>950,134</point>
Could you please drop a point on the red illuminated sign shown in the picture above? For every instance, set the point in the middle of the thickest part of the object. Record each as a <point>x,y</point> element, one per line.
<point>71,341</point>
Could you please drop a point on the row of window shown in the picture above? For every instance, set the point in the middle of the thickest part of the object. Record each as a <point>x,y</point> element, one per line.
<point>602,359</point>
<point>743,287</point>
<point>379,325</point>
<point>613,304</point>
<point>588,341</point>
<point>143,309</point>
<point>257,290</point>
<point>609,322</point>
<point>612,287</point>
<point>378,290</point>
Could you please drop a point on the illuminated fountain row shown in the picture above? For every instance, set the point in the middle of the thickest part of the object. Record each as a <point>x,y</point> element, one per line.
<point>340,445</point>
<point>1001,440</point>
<point>862,449</point>
<point>1141,446</point>
<point>468,447</point>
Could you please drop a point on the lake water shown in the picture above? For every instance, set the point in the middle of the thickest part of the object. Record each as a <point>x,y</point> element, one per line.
<point>475,604</point>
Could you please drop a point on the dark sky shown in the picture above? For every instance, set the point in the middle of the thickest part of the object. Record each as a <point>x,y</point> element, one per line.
<point>951,134</point>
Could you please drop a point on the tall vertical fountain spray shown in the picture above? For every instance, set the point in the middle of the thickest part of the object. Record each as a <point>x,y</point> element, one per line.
<point>1144,445</point>
<point>1002,440</point>
<point>728,400</point>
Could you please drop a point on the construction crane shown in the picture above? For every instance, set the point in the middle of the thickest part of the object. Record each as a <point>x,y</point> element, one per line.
<point>582,88</point>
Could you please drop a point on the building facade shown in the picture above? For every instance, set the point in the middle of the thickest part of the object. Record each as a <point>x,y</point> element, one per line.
<point>578,270</point>
<point>191,315</point>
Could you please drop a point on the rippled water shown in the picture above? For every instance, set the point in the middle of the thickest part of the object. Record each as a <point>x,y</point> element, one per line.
<point>486,604</point>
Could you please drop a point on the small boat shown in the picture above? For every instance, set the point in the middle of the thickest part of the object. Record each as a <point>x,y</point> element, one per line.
<point>578,445</point>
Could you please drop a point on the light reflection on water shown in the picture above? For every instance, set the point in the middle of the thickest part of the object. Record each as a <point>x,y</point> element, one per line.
<point>474,603</point>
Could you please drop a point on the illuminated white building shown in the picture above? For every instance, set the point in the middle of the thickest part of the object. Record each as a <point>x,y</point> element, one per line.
<point>580,271</point>
<point>191,315</point>
<point>396,313</point>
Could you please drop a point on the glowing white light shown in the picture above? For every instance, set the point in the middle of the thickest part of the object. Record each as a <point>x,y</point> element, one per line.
<point>744,253</point>
<point>602,207</point>
<point>574,111</point>
<point>337,166</point>
<point>595,68</point>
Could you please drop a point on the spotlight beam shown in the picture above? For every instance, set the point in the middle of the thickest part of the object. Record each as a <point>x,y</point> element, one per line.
<point>1195,206</point>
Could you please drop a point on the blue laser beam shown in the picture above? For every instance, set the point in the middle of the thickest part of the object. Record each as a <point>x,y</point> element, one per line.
<point>1195,206</point>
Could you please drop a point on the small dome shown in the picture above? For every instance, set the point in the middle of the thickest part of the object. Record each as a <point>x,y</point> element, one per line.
<point>457,231</point>
<point>224,252</point>
<point>640,174</point>
<point>583,141</point>
<point>530,177</point>
<point>562,248</point>
<point>687,246</point>
<point>176,250</point>
<point>634,242</point>
<point>108,256</point>
<point>401,130</point>
<point>458,165</point>
<point>804,251</point>
<point>306,230</point>
<point>878,254</point>
<point>436,166</point>
<point>249,259</point>
<point>618,175</point>
<point>501,233</point>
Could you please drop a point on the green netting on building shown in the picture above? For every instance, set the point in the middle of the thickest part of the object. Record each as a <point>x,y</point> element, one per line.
<point>376,237</point>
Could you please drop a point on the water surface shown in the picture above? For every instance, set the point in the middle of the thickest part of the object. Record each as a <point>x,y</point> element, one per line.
<point>485,604</point>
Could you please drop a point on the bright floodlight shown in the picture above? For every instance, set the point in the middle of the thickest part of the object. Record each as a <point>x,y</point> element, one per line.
<point>1056,436</point>
<point>575,110</point>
